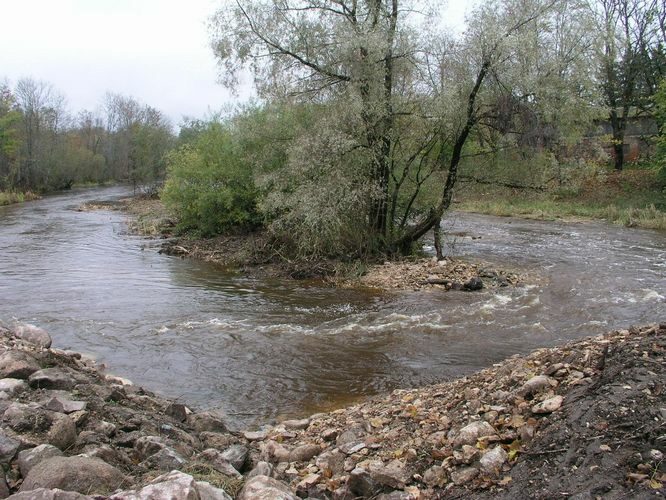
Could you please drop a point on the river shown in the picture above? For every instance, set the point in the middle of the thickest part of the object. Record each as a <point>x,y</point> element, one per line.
<point>267,349</point>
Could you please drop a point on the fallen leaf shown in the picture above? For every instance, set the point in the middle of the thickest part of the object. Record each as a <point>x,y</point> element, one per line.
<point>655,485</point>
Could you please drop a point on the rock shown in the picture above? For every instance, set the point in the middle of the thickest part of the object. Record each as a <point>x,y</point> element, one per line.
<point>355,434</point>
<point>352,447</point>
<point>471,433</point>
<point>330,434</point>
<point>435,477</point>
<point>105,428</point>
<point>236,455</point>
<point>297,424</point>
<point>33,334</point>
<point>548,406</point>
<point>27,418</point>
<point>147,446</point>
<point>304,453</point>
<point>165,459</point>
<point>48,494</point>
<point>261,469</point>
<point>394,474</point>
<point>274,452</point>
<point>173,485</point>
<point>27,459</point>
<point>206,421</point>
<point>4,487</point>
<point>110,455</point>
<point>215,459</point>
<point>177,411</point>
<point>209,492</point>
<point>473,285</point>
<point>361,484</point>
<point>52,378</point>
<point>17,364</point>
<point>333,461</point>
<point>80,474</point>
<point>303,487</point>
<point>64,405</point>
<point>464,475</point>
<point>79,417</point>
<point>216,440</point>
<point>62,433</point>
<point>8,448</point>
<point>12,386</point>
<point>492,461</point>
<point>536,385</point>
<point>255,435</point>
<point>265,488</point>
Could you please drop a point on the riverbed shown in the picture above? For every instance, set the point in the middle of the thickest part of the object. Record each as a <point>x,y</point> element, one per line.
<point>266,349</point>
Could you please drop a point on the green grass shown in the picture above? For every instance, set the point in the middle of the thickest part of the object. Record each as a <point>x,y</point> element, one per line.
<point>11,197</point>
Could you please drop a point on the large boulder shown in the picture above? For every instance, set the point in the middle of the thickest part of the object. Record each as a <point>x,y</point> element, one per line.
<point>265,488</point>
<point>33,334</point>
<point>174,485</point>
<point>27,459</point>
<point>17,364</point>
<point>237,456</point>
<point>80,474</point>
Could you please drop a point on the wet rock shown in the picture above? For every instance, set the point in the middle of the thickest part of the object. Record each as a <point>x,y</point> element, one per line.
<point>165,459</point>
<point>64,405</point>
<point>394,474</point>
<point>255,435</point>
<point>177,411</point>
<point>261,469</point>
<point>464,475</point>
<point>52,378</point>
<point>237,456</point>
<point>361,484</point>
<point>435,477</point>
<point>265,488</point>
<point>17,364</point>
<point>32,334</point>
<point>12,386</point>
<point>27,459</point>
<point>492,461</point>
<point>62,433</point>
<point>216,460</point>
<point>297,424</point>
<point>537,384</point>
<point>471,433</point>
<point>8,448</point>
<point>548,406</point>
<point>473,285</point>
<point>80,474</point>
<point>304,453</point>
<point>48,494</point>
<point>206,422</point>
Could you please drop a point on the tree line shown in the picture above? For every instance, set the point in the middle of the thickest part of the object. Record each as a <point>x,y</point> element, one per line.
<point>44,147</point>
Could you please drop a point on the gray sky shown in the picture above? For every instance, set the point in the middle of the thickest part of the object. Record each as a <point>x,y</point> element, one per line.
<point>154,50</point>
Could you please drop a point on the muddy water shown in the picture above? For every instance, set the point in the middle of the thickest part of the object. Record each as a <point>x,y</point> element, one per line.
<point>266,349</point>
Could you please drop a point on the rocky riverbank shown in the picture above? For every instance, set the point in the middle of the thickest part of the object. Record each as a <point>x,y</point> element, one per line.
<point>584,420</point>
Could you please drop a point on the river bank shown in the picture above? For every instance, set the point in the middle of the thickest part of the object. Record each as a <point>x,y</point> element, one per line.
<point>12,197</point>
<point>580,420</point>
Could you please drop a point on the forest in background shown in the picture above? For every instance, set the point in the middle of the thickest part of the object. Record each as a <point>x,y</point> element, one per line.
<point>370,118</point>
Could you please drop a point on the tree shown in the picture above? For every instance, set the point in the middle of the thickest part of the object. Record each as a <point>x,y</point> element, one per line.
<point>9,136</point>
<point>401,101</point>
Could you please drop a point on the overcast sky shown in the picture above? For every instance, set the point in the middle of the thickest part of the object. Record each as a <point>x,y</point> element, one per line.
<point>154,50</point>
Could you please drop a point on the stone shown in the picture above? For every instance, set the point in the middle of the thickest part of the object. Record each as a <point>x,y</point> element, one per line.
<point>265,488</point>
<point>464,475</point>
<point>216,440</point>
<point>255,435</point>
<point>32,334</point>
<point>473,285</point>
<point>537,384</point>
<point>305,484</point>
<point>304,453</point>
<point>27,459</point>
<point>297,424</point>
<point>27,418</point>
<point>548,406</point>
<point>206,421</point>
<point>361,484</point>
<point>79,417</point>
<point>177,411</point>
<point>165,459</point>
<point>333,461</point>
<point>237,456</point>
<point>173,485</point>
<point>8,448</point>
<point>12,386</point>
<point>17,364</point>
<point>435,476</point>
<point>471,433</point>
<point>4,487</point>
<point>261,469</point>
<point>147,446</point>
<point>330,434</point>
<point>62,433</point>
<point>52,378</point>
<point>352,447</point>
<point>80,474</point>
<point>215,459</point>
<point>492,461</point>
<point>110,455</point>
<point>394,474</point>
<point>274,452</point>
<point>48,494</point>
<point>106,428</point>
<point>64,405</point>
<point>208,492</point>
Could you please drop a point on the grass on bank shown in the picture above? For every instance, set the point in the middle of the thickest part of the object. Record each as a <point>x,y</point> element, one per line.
<point>633,198</point>
<point>11,197</point>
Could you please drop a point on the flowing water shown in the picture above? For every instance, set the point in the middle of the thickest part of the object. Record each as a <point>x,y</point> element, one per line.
<point>262,349</point>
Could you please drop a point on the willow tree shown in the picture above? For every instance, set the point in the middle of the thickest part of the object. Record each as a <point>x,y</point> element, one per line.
<point>398,101</point>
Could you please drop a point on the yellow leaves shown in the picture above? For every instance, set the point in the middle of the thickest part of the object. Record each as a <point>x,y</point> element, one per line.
<point>377,422</point>
<point>656,485</point>
<point>482,444</point>
<point>514,449</point>
<point>505,480</point>
<point>398,453</point>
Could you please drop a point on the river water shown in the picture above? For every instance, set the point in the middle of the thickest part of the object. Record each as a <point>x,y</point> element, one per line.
<point>266,349</point>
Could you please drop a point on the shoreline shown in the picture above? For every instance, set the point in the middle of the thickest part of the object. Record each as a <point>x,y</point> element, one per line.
<point>589,415</point>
